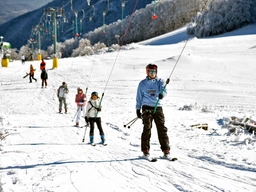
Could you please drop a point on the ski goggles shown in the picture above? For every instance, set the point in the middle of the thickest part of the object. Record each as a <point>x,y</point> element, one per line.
<point>152,71</point>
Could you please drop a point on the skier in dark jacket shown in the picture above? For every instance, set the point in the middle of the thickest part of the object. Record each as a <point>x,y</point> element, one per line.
<point>44,77</point>
<point>148,93</point>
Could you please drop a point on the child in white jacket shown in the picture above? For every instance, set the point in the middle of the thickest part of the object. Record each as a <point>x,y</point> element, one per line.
<point>92,115</point>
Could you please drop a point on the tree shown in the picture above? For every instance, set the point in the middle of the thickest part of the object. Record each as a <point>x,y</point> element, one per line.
<point>222,16</point>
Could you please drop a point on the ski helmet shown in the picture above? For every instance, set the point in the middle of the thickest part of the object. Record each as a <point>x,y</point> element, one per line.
<point>151,66</point>
<point>94,93</point>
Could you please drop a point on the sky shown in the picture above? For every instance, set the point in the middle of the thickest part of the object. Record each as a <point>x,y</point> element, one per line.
<point>212,81</point>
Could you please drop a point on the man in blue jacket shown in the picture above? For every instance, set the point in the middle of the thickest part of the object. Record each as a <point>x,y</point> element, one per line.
<point>148,93</point>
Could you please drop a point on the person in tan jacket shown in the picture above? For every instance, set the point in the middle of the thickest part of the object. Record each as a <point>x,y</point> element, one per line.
<point>62,96</point>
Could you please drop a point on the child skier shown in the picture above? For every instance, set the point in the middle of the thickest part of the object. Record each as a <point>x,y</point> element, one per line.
<point>31,74</point>
<point>81,102</point>
<point>93,115</point>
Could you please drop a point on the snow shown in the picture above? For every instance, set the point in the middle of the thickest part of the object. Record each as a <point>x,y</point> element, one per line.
<point>214,78</point>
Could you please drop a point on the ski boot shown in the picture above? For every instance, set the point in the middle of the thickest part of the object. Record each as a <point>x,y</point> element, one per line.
<point>91,139</point>
<point>102,139</point>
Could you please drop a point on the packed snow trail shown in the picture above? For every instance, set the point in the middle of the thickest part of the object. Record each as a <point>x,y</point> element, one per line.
<point>45,152</point>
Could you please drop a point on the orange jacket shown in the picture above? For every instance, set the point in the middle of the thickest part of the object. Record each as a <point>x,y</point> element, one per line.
<point>32,70</point>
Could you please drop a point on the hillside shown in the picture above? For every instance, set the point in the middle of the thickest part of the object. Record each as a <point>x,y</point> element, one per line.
<point>12,29</point>
<point>213,81</point>
<point>112,22</point>
<point>14,8</point>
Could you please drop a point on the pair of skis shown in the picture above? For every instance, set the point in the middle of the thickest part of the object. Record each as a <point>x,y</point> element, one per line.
<point>94,144</point>
<point>154,159</point>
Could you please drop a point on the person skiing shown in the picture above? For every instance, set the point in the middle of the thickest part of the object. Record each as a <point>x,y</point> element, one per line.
<point>92,116</point>
<point>44,77</point>
<point>62,95</point>
<point>42,65</point>
<point>81,103</point>
<point>31,74</point>
<point>148,92</point>
<point>23,59</point>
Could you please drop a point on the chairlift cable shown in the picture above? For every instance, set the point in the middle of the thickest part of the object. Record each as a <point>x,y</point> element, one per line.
<point>90,75</point>
<point>126,30</point>
<point>168,80</point>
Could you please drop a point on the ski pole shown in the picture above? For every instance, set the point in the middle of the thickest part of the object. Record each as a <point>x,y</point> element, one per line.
<point>76,113</point>
<point>130,122</point>
<point>134,120</point>
<point>85,132</point>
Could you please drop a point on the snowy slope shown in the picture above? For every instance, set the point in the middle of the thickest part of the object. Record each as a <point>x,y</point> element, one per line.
<point>44,152</point>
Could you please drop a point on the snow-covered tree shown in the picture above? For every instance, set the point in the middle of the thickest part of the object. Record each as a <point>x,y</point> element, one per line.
<point>206,18</point>
<point>26,51</point>
<point>171,14</point>
<point>222,16</point>
<point>14,54</point>
<point>84,48</point>
<point>66,48</point>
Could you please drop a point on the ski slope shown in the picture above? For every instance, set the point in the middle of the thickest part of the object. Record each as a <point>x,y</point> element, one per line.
<point>44,152</point>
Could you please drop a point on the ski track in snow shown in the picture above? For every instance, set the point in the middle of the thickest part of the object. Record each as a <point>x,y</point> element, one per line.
<point>45,151</point>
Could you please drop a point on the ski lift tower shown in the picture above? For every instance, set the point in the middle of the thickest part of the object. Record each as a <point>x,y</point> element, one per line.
<point>55,12</point>
<point>1,43</point>
<point>38,29</point>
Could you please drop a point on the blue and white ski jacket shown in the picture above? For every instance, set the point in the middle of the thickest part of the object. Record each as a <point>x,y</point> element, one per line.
<point>148,91</point>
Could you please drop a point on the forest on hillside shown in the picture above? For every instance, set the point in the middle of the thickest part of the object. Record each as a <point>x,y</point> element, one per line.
<point>203,18</point>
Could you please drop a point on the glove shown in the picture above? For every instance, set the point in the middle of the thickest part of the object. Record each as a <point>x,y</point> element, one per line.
<point>98,109</point>
<point>160,96</point>
<point>86,120</point>
<point>138,113</point>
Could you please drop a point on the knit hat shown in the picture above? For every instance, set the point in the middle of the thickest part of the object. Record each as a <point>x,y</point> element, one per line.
<point>79,89</point>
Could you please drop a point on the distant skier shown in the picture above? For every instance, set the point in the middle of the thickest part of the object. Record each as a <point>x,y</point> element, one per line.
<point>44,77</point>
<point>81,102</point>
<point>148,92</point>
<point>31,57</point>
<point>93,116</point>
<point>42,65</point>
<point>23,59</point>
<point>31,74</point>
<point>62,95</point>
